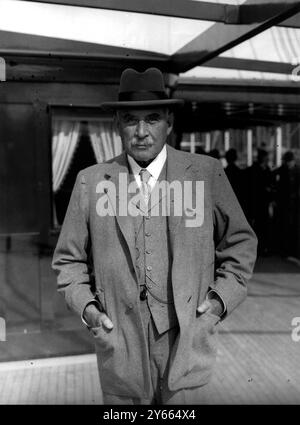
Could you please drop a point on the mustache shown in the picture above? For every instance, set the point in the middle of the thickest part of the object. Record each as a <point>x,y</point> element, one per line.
<point>141,144</point>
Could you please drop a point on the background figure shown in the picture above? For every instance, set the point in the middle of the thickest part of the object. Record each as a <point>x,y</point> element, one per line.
<point>259,194</point>
<point>234,174</point>
<point>287,178</point>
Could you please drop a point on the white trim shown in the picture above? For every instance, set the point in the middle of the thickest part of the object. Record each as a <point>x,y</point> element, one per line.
<point>207,142</point>
<point>192,142</point>
<point>249,147</point>
<point>226,140</point>
<point>50,362</point>
<point>278,146</point>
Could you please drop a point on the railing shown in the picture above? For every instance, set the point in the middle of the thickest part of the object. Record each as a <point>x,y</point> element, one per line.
<point>2,329</point>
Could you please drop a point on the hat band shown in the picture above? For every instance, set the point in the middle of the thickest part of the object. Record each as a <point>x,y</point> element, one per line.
<point>142,95</point>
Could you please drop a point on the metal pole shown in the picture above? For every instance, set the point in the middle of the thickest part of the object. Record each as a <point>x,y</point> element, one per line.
<point>193,143</point>
<point>226,140</point>
<point>207,142</point>
<point>278,146</point>
<point>249,147</point>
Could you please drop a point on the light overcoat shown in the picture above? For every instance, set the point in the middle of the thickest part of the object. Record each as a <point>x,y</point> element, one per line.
<point>95,257</point>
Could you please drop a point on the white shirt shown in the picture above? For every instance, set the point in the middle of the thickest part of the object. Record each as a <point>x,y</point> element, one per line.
<point>154,168</point>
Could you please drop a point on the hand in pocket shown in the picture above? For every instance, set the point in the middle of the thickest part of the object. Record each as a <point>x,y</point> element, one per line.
<point>97,319</point>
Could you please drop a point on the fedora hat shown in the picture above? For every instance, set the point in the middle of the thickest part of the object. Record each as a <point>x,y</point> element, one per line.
<point>142,89</point>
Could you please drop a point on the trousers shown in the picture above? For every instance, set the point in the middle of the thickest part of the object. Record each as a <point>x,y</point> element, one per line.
<point>159,349</point>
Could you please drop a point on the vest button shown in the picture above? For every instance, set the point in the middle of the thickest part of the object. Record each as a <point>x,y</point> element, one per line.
<point>143,294</point>
<point>149,285</point>
<point>148,251</point>
<point>130,306</point>
<point>149,268</point>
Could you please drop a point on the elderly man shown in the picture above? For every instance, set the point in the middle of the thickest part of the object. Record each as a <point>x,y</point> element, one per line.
<point>152,282</point>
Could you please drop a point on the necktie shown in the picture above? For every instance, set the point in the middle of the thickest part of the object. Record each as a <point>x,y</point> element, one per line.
<point>145,187</point>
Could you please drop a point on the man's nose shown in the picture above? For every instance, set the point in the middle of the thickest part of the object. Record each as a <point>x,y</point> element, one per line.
<point>142,130</point>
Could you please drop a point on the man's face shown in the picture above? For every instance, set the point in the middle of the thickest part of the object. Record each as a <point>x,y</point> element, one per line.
<point>144,131</point>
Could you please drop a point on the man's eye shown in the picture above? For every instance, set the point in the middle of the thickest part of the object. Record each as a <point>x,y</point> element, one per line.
<point>152,120</point>
<point>129,120</point>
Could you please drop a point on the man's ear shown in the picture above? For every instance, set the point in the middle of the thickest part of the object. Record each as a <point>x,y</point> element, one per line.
<point>170,121</point>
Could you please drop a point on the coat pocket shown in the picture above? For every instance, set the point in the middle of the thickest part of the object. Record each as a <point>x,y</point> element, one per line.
<point>204,339</point>
<point>202,351</point>
<point>100,295</point>
<point>103,338</point>
<point>211,319</point>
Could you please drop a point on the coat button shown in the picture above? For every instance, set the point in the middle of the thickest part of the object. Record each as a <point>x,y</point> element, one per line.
<point>149,285</point>
<point>148,234</point>
<point>130,306</point>
<point>149,268</point>
<point>148,251</point>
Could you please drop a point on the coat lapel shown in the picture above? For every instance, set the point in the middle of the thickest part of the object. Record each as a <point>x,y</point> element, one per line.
<point>157,195</point>
<point>177,168</point>
<point>124,221</point>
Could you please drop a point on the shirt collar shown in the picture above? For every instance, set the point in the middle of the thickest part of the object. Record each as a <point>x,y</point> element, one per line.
<point>154,167</point>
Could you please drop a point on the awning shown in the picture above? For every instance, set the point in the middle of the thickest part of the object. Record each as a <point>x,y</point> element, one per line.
<point>235,39</point>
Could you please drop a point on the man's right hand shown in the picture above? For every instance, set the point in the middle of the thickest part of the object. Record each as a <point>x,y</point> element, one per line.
<point>95,318</point>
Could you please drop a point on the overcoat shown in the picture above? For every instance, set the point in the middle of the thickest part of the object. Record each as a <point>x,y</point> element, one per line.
<point>95,257</point>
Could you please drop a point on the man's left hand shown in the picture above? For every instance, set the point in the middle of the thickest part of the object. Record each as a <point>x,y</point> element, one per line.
<point>213,306</point>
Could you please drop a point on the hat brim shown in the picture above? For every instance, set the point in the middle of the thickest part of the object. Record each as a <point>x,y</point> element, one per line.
<point>171,103</point>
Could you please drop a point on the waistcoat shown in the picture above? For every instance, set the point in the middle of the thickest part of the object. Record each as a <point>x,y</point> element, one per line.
<point>154,265</point>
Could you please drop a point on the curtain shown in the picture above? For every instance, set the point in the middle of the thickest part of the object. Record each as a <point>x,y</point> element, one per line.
<point>105,140</point>
<point>64,141</point>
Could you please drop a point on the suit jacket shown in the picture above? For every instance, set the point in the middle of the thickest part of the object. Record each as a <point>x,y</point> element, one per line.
<point>95,256</point>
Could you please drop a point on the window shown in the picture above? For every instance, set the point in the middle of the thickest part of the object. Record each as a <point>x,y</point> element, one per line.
<point>78,141</point>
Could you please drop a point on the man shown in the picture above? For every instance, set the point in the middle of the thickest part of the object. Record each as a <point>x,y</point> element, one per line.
<point>287,197</point>
<point>259,195</point>
<point>152,287</point>
<point>235,175</point>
